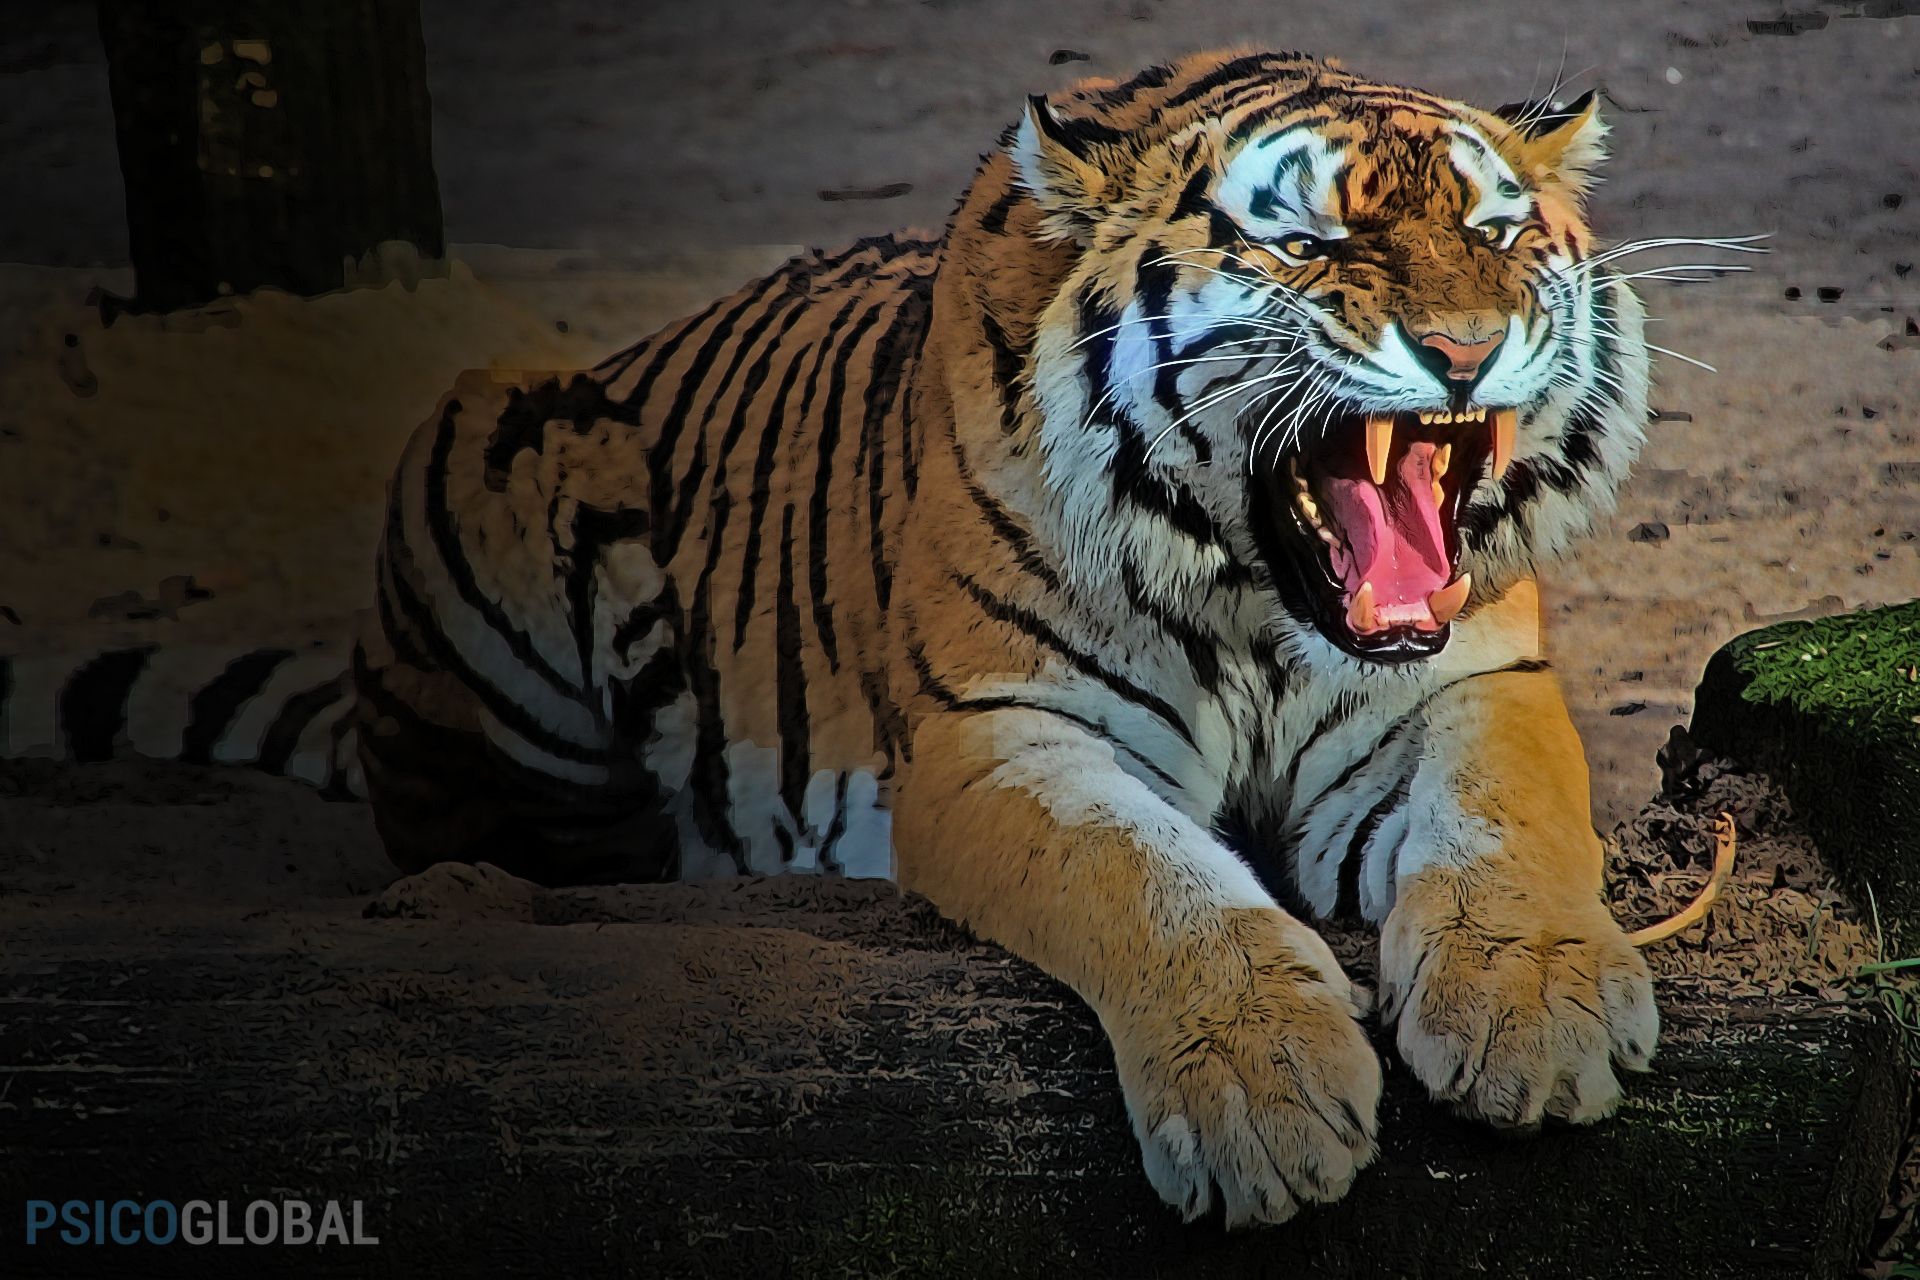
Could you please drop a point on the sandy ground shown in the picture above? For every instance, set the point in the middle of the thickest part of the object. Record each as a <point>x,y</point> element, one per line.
<point>643,159</point>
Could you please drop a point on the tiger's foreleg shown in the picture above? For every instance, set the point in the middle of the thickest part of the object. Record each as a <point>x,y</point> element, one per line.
<point>1233,1027</point>
<point>1513,989</point>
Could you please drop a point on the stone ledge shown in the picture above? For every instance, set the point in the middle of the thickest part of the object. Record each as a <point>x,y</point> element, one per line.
<point>815,1077</point>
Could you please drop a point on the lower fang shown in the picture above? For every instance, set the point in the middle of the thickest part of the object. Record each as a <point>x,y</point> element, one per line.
<point>1360,613</point>
<point>1445,604</point>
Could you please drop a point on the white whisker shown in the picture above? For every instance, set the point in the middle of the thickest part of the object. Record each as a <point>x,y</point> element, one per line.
<point>1701,364</point>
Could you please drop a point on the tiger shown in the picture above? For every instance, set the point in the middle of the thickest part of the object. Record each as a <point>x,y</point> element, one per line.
<point>1142,570</point>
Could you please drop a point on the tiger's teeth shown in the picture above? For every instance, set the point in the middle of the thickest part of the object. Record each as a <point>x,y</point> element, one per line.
<point>1442,459</point>
<point>1360,615</point>
<point>1505,424</point>
<point>1445,603</point>
<point>1426,416</point>
<point>1379,445</point>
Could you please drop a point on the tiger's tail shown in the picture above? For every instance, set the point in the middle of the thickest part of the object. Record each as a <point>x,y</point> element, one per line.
<point>283,711</point>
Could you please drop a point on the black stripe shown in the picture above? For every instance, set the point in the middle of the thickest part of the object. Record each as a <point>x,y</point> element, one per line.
<point>1009,530</point>
<point>1225,74</point>
<point>93,705</point>
<point>909,461</point>
<point>935,688</point>
<point>1335,715</point>
<point>299,711</point>
<point>637,398</point>
<point>1347,902</point>
<point>826,443</point>
<point>1302,100</point>
<point>657,363</point>
<point>1581,441</point>
<point>442,654</point>
<point>1121,95</point>
<point>994,220</point>
<point>215,704</point>
<point>1156,281</point>
<point>761,489</point>
<point>453,557</point>
<point>1193,197</point>
<point>1096,322</point>
<point>707,776</point>
<point>1007,362</point>
<point>1366,756</point>
<point>486,766</point>
<point>658,682</point>
<point>889,723</point>
<point>1005,611</point>
<point>593,530</point>
<point>522,424</point>
<point>337,786</point>
<point>837,827</point>
<point>883,386</point>
<point>640,620</point>
<point>667,546</point>
<point>660,456</point>
<point>1201,646</point>
<point>790,682</point>
<point>1078,134</point>
<point>1169,499</point>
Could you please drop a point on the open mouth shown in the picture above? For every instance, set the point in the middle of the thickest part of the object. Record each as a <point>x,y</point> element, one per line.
<point>1368,518</point>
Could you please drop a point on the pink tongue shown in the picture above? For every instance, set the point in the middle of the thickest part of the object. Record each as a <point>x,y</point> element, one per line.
<point>1394,536</point>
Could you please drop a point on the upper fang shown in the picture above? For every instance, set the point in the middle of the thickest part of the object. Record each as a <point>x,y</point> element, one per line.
<point>1379,445</point>
<point>1505,423</point>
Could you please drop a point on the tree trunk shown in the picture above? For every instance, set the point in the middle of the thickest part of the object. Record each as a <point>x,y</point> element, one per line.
<point>281,143</point>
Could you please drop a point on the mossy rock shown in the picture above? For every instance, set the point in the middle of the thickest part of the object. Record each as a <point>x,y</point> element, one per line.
<point>1831,709</point>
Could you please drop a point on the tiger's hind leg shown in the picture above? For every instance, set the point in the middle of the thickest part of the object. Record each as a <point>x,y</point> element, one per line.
<point>443,790</point>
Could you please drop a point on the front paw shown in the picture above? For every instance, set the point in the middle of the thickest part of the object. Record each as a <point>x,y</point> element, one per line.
<point>1512,1009</point>
<point>1249,1072</point>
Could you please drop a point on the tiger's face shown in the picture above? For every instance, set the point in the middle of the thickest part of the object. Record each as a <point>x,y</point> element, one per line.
<point>1363,313</point>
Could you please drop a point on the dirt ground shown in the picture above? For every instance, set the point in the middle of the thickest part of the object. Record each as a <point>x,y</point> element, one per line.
<point>638,159</point>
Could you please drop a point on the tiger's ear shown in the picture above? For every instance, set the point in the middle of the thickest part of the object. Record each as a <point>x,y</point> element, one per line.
<point>1560,146</point>
<point>1060,160</point>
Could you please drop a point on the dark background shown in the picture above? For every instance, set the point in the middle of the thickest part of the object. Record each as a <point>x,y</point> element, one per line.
<point>624,129</point>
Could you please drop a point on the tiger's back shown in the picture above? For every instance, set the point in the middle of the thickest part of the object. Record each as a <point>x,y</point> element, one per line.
<point>632,625</point>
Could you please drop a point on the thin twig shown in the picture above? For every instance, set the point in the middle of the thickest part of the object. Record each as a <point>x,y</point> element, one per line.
<point>1726,843</point>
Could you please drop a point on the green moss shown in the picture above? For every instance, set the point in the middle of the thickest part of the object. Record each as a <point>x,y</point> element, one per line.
<point>1831,709</point>
<point>1856,667</point>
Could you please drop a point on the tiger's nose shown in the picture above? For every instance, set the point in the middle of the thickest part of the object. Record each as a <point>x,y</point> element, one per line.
<point>1454,361</point>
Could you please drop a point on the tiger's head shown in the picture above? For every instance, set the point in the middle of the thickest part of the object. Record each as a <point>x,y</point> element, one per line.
<point>1263,310</point>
